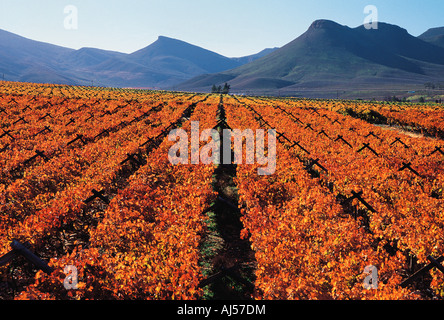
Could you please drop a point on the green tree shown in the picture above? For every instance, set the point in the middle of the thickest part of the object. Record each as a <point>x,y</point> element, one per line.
<point>226,89</point>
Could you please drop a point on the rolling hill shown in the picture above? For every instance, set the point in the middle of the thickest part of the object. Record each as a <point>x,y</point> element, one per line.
<point>164,63</point>
<point>326,59</point>
<point>22,59</point>
<point>434,36</point>
<point>330,56</point>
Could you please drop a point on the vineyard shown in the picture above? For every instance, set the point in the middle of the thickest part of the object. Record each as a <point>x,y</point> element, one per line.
<point>86,182</point>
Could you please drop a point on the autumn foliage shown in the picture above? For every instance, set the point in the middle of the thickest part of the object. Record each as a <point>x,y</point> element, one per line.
<point>311,235</point>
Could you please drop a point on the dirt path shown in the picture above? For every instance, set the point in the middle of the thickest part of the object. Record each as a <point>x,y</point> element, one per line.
<point>402,131</point>
<point>229,261</point>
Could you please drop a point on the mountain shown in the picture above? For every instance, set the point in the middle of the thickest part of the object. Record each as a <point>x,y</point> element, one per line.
<point>434,36</point>
<point>254,57</point>
<point>327,58</point>
<point>332,56</point>
<point>88,57</point>
<point>164,63</point>
<point>22,59</point>
<point>180,57</point>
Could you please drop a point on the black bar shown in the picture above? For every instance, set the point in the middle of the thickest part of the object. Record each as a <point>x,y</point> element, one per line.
<point>365,203</point>
<point>69,111</point>
<point>343,140</point>
<point>324,133</point>
<point>298,144</point>
<point>46,115</point>
<point>373,134</point>
<point>437,149</point>
<point>7,133</point>
<point>313,162</point>
<point>79,137</point>
<point>30,159</point>
<point>367,145</point>
<point>222,122</point>
<point>132,158</point>
<point>21,119</point>
<point>70,121</point>
<point>296,119</point>
<point>399,140</point>
<point>4,148</point>
<point>97,194</point>
<point>37,154</point>
<point>436,264</point>
<point>283,136</point>
<point>360,193</point>
<point>149,141</point>
<point>31,257</point>
<point>41,154</point>
<point>408,166</point>
<point>134,120</point>
<point>4,260</point>
<point>101,133</point>
<point>420,272</point>
<point>46,129</point>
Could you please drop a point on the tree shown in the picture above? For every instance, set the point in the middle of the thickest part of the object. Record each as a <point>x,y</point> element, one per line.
<point>226,89</point>
<point>429,85</point>
<point>219,89</point>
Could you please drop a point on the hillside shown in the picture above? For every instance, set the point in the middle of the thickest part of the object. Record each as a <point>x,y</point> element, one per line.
<point>22,59</point>
<point>164,63</point>
<point>434,36</point>
<point>331,56</point>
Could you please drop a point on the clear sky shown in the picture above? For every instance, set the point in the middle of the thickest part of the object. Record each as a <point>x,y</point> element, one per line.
<point>230,27</point>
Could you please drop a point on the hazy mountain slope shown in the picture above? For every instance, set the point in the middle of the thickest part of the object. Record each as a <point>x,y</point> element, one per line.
<point>20,58</point>
<point>329,54</point>
<point>164,63</point>
<point>434,36</point>
<point>253,57</point>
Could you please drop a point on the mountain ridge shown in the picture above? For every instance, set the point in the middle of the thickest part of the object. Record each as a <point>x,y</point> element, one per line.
<point>163,63</point>
<point>434,36</point>
<point>327,55</point>
<point>330,55</point>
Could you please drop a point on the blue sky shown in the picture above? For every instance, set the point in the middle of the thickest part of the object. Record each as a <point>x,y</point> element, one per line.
<point>230,27</point>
